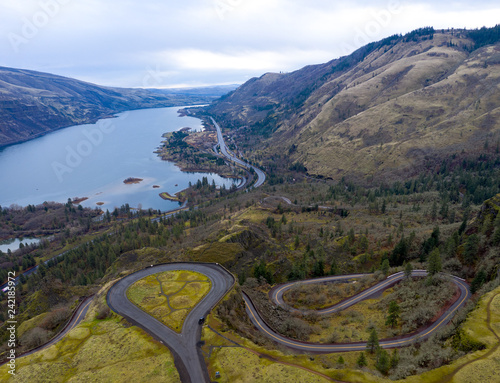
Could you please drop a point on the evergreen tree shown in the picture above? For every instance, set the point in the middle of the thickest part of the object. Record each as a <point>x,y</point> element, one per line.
<point>400,252</point>
<point>319,268</point>
<point>434,262</point>
<point>383,362</point>
<point>394,358</point>
<point>334,269</point>
<point>393,315</point>
<point>296,242</point>
<point>434,211</point>
<point>471,248</point>
<point>340,360</point>
<point>361,362</point>
<point>478,281</point>
<point>351,236</point>
<point>496,236</point>
<point>385,266</point>
<point>363,243</point>
<point>408,270</point>
<point>372,343</point>
<point>242,277</point>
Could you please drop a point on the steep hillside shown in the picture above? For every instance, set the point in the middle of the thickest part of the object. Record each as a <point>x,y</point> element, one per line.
<point>34,103</point>
<point>391,108</point>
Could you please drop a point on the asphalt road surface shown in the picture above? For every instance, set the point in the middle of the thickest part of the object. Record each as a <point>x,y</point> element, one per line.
<point>188,358</point>
<point>75,320</point>
<point>276,295</point>
<point>261,177</point>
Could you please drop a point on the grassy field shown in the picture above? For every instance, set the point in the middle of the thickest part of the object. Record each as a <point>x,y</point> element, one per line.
<point>352,324</point>
<point>321,295</point>
<point>170,296</point>
<point>225,349</point>
<point>98,351</point>
<point>240,360</point>
<point>483,325</point>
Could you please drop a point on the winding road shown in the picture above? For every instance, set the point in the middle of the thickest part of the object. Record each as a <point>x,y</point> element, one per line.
<point>276,295</point>
<point>74,321</point>
<point>184,346</point>
<point>261,176</point>
<point>188,358</point>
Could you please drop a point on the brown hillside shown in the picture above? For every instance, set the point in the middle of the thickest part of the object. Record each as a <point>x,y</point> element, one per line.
<point>35,103</point>
<point>388,110</point>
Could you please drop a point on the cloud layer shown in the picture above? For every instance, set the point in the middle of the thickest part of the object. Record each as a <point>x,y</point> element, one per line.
<point>167,43</point>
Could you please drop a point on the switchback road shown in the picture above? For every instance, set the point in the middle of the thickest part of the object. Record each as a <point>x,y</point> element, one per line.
<point>276,295</point>
<point>188,358</point>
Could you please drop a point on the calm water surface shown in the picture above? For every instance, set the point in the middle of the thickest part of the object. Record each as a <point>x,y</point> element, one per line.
<point>93,160</point>
<point>13,244</point>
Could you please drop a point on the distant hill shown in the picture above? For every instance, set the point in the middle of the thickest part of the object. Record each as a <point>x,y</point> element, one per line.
<point>211,91</point>
<point>389,110</point>
<point>34,103</point>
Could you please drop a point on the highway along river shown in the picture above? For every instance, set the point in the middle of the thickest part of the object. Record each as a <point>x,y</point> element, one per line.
<point>93,161</point>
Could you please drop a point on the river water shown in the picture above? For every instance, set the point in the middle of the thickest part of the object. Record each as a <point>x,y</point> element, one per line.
<point>92,161</point>
<point>13,244</point>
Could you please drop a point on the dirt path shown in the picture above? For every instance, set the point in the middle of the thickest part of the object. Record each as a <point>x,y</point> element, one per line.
<point>275,360</point>
<point>450,377</point>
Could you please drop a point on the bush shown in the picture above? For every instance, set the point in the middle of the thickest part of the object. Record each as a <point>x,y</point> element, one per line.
<point>55,318</point>
<point>462,342</point>
<point>34,338</point>
<point>383,362</point>
<point>102,312</point>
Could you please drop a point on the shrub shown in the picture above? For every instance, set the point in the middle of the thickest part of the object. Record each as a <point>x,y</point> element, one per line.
<point>34,338</point>
<point>462,342</point>
<point>383,362</point>
<point>102,312</point>
<point>361,362</point>
<point>55,318</point>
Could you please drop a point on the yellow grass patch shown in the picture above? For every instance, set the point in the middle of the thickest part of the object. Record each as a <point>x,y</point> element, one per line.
<point>240,365</point>
<point>30,324</point>
<point>98,351</point>
<point>184,289</point>
<point>315,296</point>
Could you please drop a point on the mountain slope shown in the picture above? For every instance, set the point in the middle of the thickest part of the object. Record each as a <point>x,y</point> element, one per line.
<point>388,110</point>
<point>35,103</point>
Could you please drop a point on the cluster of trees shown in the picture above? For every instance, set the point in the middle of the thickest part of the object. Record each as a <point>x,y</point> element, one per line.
<point>62,221</point>
<point>384,362</point>
<point>421,33</point>
<point>89,262</point>
<point>49,216</point>
<point>484,36</point>
<point>467,180</point>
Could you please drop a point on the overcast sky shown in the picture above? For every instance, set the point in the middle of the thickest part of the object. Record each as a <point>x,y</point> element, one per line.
<point>167,43</point>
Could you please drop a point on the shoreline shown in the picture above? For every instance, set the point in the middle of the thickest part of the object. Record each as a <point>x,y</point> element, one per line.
<point>174,198</point>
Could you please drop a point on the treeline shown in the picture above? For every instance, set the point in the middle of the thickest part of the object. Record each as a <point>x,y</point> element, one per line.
<point>47,216</point>
<point>89,262</point>
<point>484,36</point>
<point>62,222</point>
<point>471,180</point>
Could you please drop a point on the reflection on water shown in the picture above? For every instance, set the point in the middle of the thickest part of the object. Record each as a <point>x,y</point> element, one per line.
<point>13,244</point>
<point>92,161</point>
